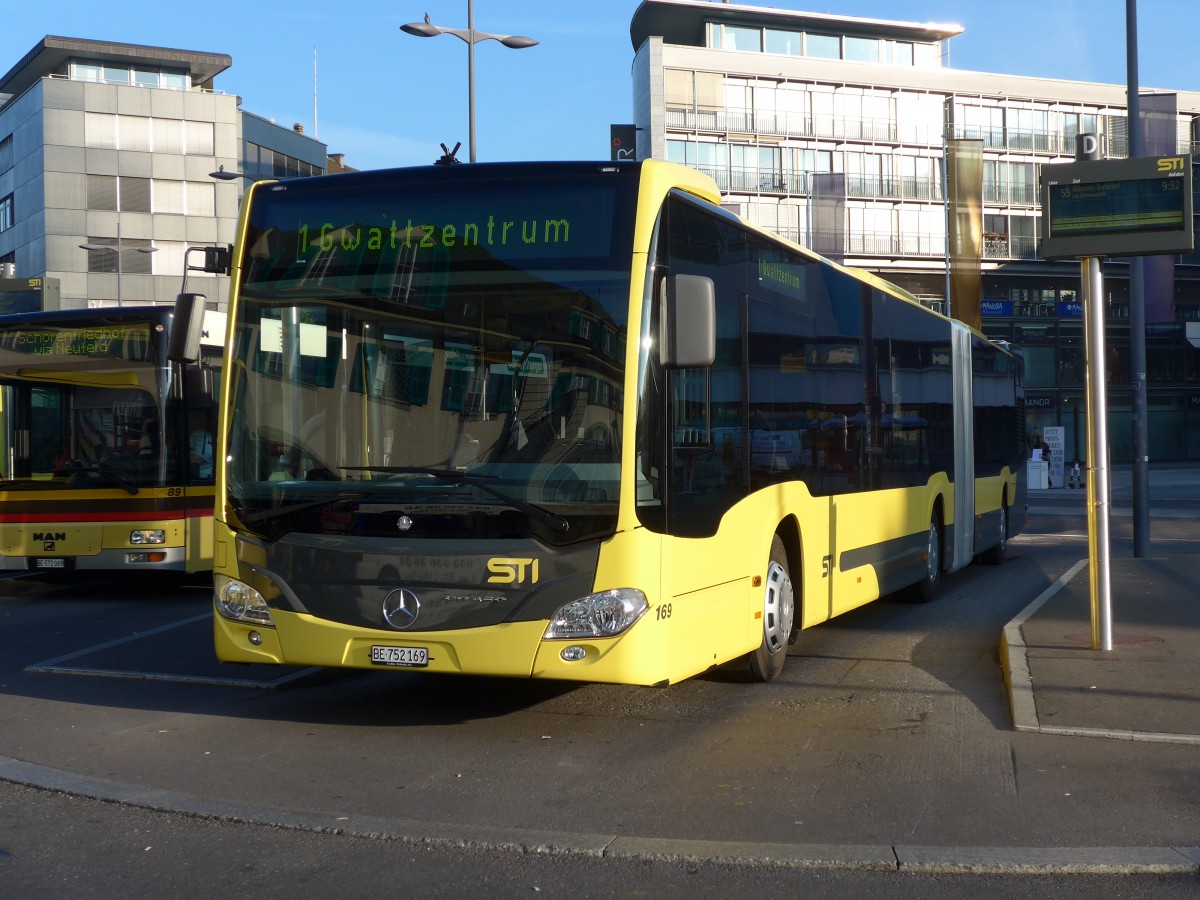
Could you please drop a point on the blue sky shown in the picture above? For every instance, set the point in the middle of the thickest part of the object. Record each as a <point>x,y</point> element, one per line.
<point>385,98</point>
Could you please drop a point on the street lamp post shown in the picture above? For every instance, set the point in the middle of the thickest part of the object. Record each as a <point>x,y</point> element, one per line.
<point>471,37</point>
<point>117,250</point>
<point>222,175</point>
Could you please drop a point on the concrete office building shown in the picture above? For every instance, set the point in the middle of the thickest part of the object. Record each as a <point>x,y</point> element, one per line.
<point>768,101</point>
<point>111,146</point>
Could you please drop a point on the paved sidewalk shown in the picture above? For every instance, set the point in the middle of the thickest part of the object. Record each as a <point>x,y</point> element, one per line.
<point>1146,688</point>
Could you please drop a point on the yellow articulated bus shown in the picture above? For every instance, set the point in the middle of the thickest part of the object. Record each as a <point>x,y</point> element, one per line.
<point>105,445</point>
<point>575,421</point>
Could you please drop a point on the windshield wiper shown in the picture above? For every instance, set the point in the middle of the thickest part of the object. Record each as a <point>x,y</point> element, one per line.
<point>279,512</point>
<point>475,479</point>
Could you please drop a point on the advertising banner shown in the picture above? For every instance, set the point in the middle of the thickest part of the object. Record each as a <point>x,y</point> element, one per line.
<point>1055,436</point>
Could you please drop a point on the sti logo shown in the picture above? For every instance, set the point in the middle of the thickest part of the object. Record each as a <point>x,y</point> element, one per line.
<point>1170,164</point>
<point>512,571</point>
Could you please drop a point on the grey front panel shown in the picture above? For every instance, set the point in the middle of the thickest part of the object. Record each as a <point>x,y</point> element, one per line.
<point>457,583</point>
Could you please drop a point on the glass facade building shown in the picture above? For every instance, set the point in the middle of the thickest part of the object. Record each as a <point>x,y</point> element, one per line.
<point>801,117</point>
<point>106,151</point>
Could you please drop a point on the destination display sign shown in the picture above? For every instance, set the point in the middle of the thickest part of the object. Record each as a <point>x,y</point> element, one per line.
<point>393,237</point>
<point>1117,207</point>
<point>123,341</point>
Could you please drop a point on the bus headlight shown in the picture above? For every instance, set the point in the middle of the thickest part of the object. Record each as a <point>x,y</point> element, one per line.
<point>605,614</point>
<point>238,601</point>
<point>148,536</point>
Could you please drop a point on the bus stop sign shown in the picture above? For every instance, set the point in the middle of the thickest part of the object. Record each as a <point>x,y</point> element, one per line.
<point>1117,207</point>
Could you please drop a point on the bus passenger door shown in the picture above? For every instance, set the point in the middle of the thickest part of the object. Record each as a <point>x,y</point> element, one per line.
<point>197,456</point>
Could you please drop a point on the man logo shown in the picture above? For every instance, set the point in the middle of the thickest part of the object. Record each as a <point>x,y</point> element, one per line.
<point>48,546</point>
<point>49,535</point>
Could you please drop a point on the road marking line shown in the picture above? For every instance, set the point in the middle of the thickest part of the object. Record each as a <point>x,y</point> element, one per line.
<point>108,645</point>
<point>180,679</point>
<point>55,667</point>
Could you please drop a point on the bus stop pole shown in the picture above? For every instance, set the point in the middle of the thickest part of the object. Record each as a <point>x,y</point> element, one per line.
<point>1098,500</point>
<point>1137,314</point>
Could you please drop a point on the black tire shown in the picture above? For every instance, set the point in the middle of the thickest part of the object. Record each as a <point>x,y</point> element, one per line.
<point>995,555</point>
<point>779,615</point>
<point>926,589</point>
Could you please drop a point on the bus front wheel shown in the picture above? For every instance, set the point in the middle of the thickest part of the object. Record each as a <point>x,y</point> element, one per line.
<point>778,613</point>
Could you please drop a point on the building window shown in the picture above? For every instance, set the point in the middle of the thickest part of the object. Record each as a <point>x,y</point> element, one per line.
<point>263,162</point>
<point>120,132</point>
<point>133,133</point>
<point>862,49</point>
<point>115,74</point>
<point>119,194</point>
<point>133,194</point>
<point>127,194</point>
<point>102,192</point>
<point>6,154</point>
<point>898,53</point>
<point>7,216</point>
<point>789,43</point>
<point>100,131</point>
<point>85,70</point>
<point>739,37</point>
<point>823,46</point>
<point>133,261</point>
<point>198,138</point>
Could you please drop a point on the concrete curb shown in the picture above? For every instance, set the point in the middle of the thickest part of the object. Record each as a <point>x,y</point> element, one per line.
<point>959,860</point>
<point>1015,663</point>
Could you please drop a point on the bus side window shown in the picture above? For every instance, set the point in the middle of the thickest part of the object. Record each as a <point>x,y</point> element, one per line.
<point>201,444</point>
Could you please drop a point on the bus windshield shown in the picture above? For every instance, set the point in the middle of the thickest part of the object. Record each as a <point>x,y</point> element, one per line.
<point>86,397</point>
<point>445,353</point>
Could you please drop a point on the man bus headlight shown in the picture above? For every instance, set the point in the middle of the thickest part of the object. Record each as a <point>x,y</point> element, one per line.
<point>238,601</point>
<point>605,614</point>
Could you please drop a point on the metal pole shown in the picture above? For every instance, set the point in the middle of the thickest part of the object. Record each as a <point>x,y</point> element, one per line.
<point>1097,455</point>
<point>119,303</point>
<point>1137,317</point>
<point>471,76</point>
<point>946,213</point>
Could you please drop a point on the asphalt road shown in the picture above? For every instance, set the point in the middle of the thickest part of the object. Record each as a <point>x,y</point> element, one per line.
<point>54,847</point>
<point>889,729</point>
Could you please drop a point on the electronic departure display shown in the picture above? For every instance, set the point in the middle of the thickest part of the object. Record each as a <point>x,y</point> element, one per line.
<point>1117,207</point>
<point>124,341</point>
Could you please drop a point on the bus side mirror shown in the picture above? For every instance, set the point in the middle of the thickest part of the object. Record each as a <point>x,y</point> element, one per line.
<point>183,344</point>
<point>688,322</point>
<point>218,260</point>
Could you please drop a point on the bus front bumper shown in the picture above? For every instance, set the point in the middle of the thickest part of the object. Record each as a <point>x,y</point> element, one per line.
<point>514,649</point>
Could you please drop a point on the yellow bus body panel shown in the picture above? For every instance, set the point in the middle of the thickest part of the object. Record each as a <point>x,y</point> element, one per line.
<point>301,639</point>
<point>990,492</point>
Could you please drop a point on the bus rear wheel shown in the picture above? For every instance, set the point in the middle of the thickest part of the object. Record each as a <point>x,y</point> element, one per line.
<point>926,589</point>
<point>778,613</point>
<point>994,555</point>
